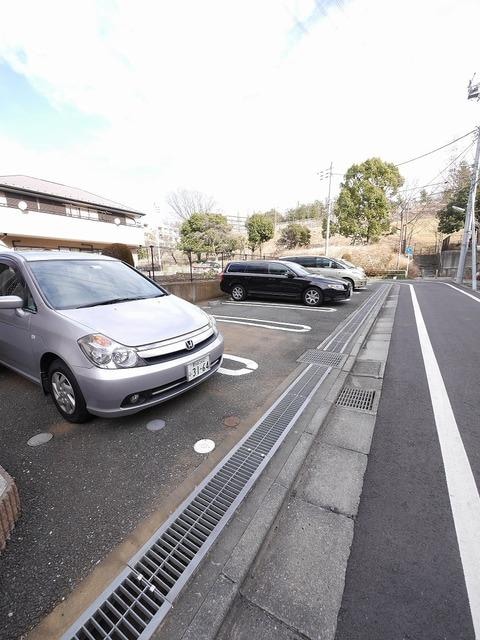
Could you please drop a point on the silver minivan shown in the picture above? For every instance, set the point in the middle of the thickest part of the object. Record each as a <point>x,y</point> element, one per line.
<point>98,336</point>
<point>332,268</point>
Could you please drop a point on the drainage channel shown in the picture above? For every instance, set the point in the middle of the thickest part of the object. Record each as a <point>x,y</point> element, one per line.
<point>133,605</point>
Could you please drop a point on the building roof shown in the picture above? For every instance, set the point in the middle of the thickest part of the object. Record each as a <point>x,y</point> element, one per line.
<point>61,191</point>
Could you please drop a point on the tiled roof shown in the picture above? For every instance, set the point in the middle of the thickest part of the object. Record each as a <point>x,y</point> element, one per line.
<point>57,190</point>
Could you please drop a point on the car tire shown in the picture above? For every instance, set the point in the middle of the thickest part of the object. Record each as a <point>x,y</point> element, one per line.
<point>351,283</point>
<point>238,292</point>
<point>312,297</point>
<point>66,393</point>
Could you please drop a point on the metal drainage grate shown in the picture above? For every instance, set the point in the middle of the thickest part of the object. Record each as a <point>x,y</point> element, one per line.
<point>133,607</point>
<point>125,613</point>
<point>354,398</point>
<point>348,329</point>
<point>328,358</point>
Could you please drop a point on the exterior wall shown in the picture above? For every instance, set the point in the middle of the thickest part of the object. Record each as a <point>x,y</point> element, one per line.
<point>34,228</point>
<point>193,291</point>
<point>449,263</point>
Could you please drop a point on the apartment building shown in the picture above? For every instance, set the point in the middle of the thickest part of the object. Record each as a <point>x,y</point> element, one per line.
<point>39,214</point>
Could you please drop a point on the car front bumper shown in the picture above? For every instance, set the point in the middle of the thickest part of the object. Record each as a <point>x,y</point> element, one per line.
<point>335,294</point>
<point>106,390</point>
<point>360,283</point>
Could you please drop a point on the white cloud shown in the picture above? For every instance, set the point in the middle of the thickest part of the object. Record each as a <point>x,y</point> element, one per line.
<point>233,99</point>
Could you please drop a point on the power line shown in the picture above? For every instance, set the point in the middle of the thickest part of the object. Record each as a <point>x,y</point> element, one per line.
<point>435,184</point>
<point>435,150</point>
<point>453,161</point>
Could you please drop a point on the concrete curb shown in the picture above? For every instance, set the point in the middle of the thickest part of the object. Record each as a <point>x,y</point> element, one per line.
<point>9,507</point>
<point>221,591</point>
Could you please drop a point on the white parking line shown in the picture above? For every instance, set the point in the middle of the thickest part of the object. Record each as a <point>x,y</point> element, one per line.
<point>258,322</point>
<point>250,365</point>
<point>462,489</point>
<point>465,293</point>
<point>282,306</point>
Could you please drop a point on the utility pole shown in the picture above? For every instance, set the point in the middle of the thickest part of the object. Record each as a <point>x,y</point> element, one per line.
<point>329,210</point>
<point>469,227</point>
<point>324,174</point>
<point>469,230</point>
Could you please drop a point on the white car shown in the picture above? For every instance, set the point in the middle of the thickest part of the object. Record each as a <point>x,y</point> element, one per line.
<point>331,268</point>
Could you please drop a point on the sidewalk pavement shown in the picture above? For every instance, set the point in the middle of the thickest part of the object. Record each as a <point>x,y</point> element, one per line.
<point>278,569</point>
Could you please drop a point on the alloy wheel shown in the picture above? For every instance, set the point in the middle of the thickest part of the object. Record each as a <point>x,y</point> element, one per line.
<point>63,392</point>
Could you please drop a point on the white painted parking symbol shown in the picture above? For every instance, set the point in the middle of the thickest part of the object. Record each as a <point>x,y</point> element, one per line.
<point>258,322</point>
<point>250,365</point>
<point>287,307</point>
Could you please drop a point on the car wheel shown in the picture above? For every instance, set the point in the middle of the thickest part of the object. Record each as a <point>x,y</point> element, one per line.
<point>238,293</point>
<point>312,297</point>
<point>66,393</point>
<point>350,283</point>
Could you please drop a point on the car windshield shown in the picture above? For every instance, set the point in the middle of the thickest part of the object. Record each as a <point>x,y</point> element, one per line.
<point>300,271</point>
<point>346,263</point>
<point>73,284</point>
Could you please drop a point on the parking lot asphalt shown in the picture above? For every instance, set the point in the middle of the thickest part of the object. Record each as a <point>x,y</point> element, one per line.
<point>89,487</point>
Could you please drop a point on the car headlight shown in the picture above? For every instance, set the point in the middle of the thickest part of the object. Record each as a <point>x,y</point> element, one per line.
<point>338,287</point>
<point>108,354</point>
<point>212,323</point>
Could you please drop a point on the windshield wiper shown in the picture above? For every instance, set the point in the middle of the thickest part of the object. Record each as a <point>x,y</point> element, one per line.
<point>112,301</point>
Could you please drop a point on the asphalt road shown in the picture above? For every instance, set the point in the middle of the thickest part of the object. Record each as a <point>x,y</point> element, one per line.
<point>86,490</point>
<point>405,578</point>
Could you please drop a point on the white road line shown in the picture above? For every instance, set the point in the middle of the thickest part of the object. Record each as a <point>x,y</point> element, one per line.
<point>462,490</point>
<point>250,365</point>
<point>258,322</point>
<point>282,306</point>
<point>465,293</point>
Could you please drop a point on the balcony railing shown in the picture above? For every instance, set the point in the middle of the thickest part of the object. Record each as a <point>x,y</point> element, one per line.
<point>102,217</point>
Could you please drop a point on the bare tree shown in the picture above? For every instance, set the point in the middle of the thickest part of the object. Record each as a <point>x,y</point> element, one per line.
<point>185,202</point>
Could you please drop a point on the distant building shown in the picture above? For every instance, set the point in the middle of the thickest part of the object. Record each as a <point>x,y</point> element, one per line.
<point>39,214</point>
<point>168,235</point>
<point>237,222</point>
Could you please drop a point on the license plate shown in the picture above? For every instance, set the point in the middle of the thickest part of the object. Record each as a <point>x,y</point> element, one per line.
<point>198,368</point>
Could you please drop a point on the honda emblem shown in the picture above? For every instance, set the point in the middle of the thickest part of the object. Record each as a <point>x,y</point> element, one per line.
<point>189,344</point>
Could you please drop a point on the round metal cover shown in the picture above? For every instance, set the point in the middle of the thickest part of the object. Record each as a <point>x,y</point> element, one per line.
<point>231,421</point>
<point>40,438</point>
<point>155,425</point>
<point>204,446</point>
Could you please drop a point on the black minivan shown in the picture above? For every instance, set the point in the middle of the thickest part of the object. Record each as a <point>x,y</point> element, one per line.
<point>281,279</point>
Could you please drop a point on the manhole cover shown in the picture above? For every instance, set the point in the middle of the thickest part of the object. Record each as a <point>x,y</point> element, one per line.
<point>40,438</point>
<point>155,425</point>
<point>204,446</point>
<point>231,421</point>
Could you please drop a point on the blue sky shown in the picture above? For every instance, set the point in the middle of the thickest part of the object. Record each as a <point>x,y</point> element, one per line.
<point>28,116</point>
<point>245,101</point>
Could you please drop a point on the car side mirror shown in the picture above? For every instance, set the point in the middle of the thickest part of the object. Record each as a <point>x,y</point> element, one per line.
<point>290,274</point>
<point>11,302</point>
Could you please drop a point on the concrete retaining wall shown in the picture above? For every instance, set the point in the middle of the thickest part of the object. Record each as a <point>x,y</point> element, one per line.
<point>194,291</point>
<point>9,507</point>
<point>449,262</point>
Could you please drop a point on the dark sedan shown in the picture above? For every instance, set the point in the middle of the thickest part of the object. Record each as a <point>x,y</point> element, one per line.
<point>280,279</point>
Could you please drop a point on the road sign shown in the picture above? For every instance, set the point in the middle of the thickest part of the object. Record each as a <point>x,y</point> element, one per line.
<point>409,251</point>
